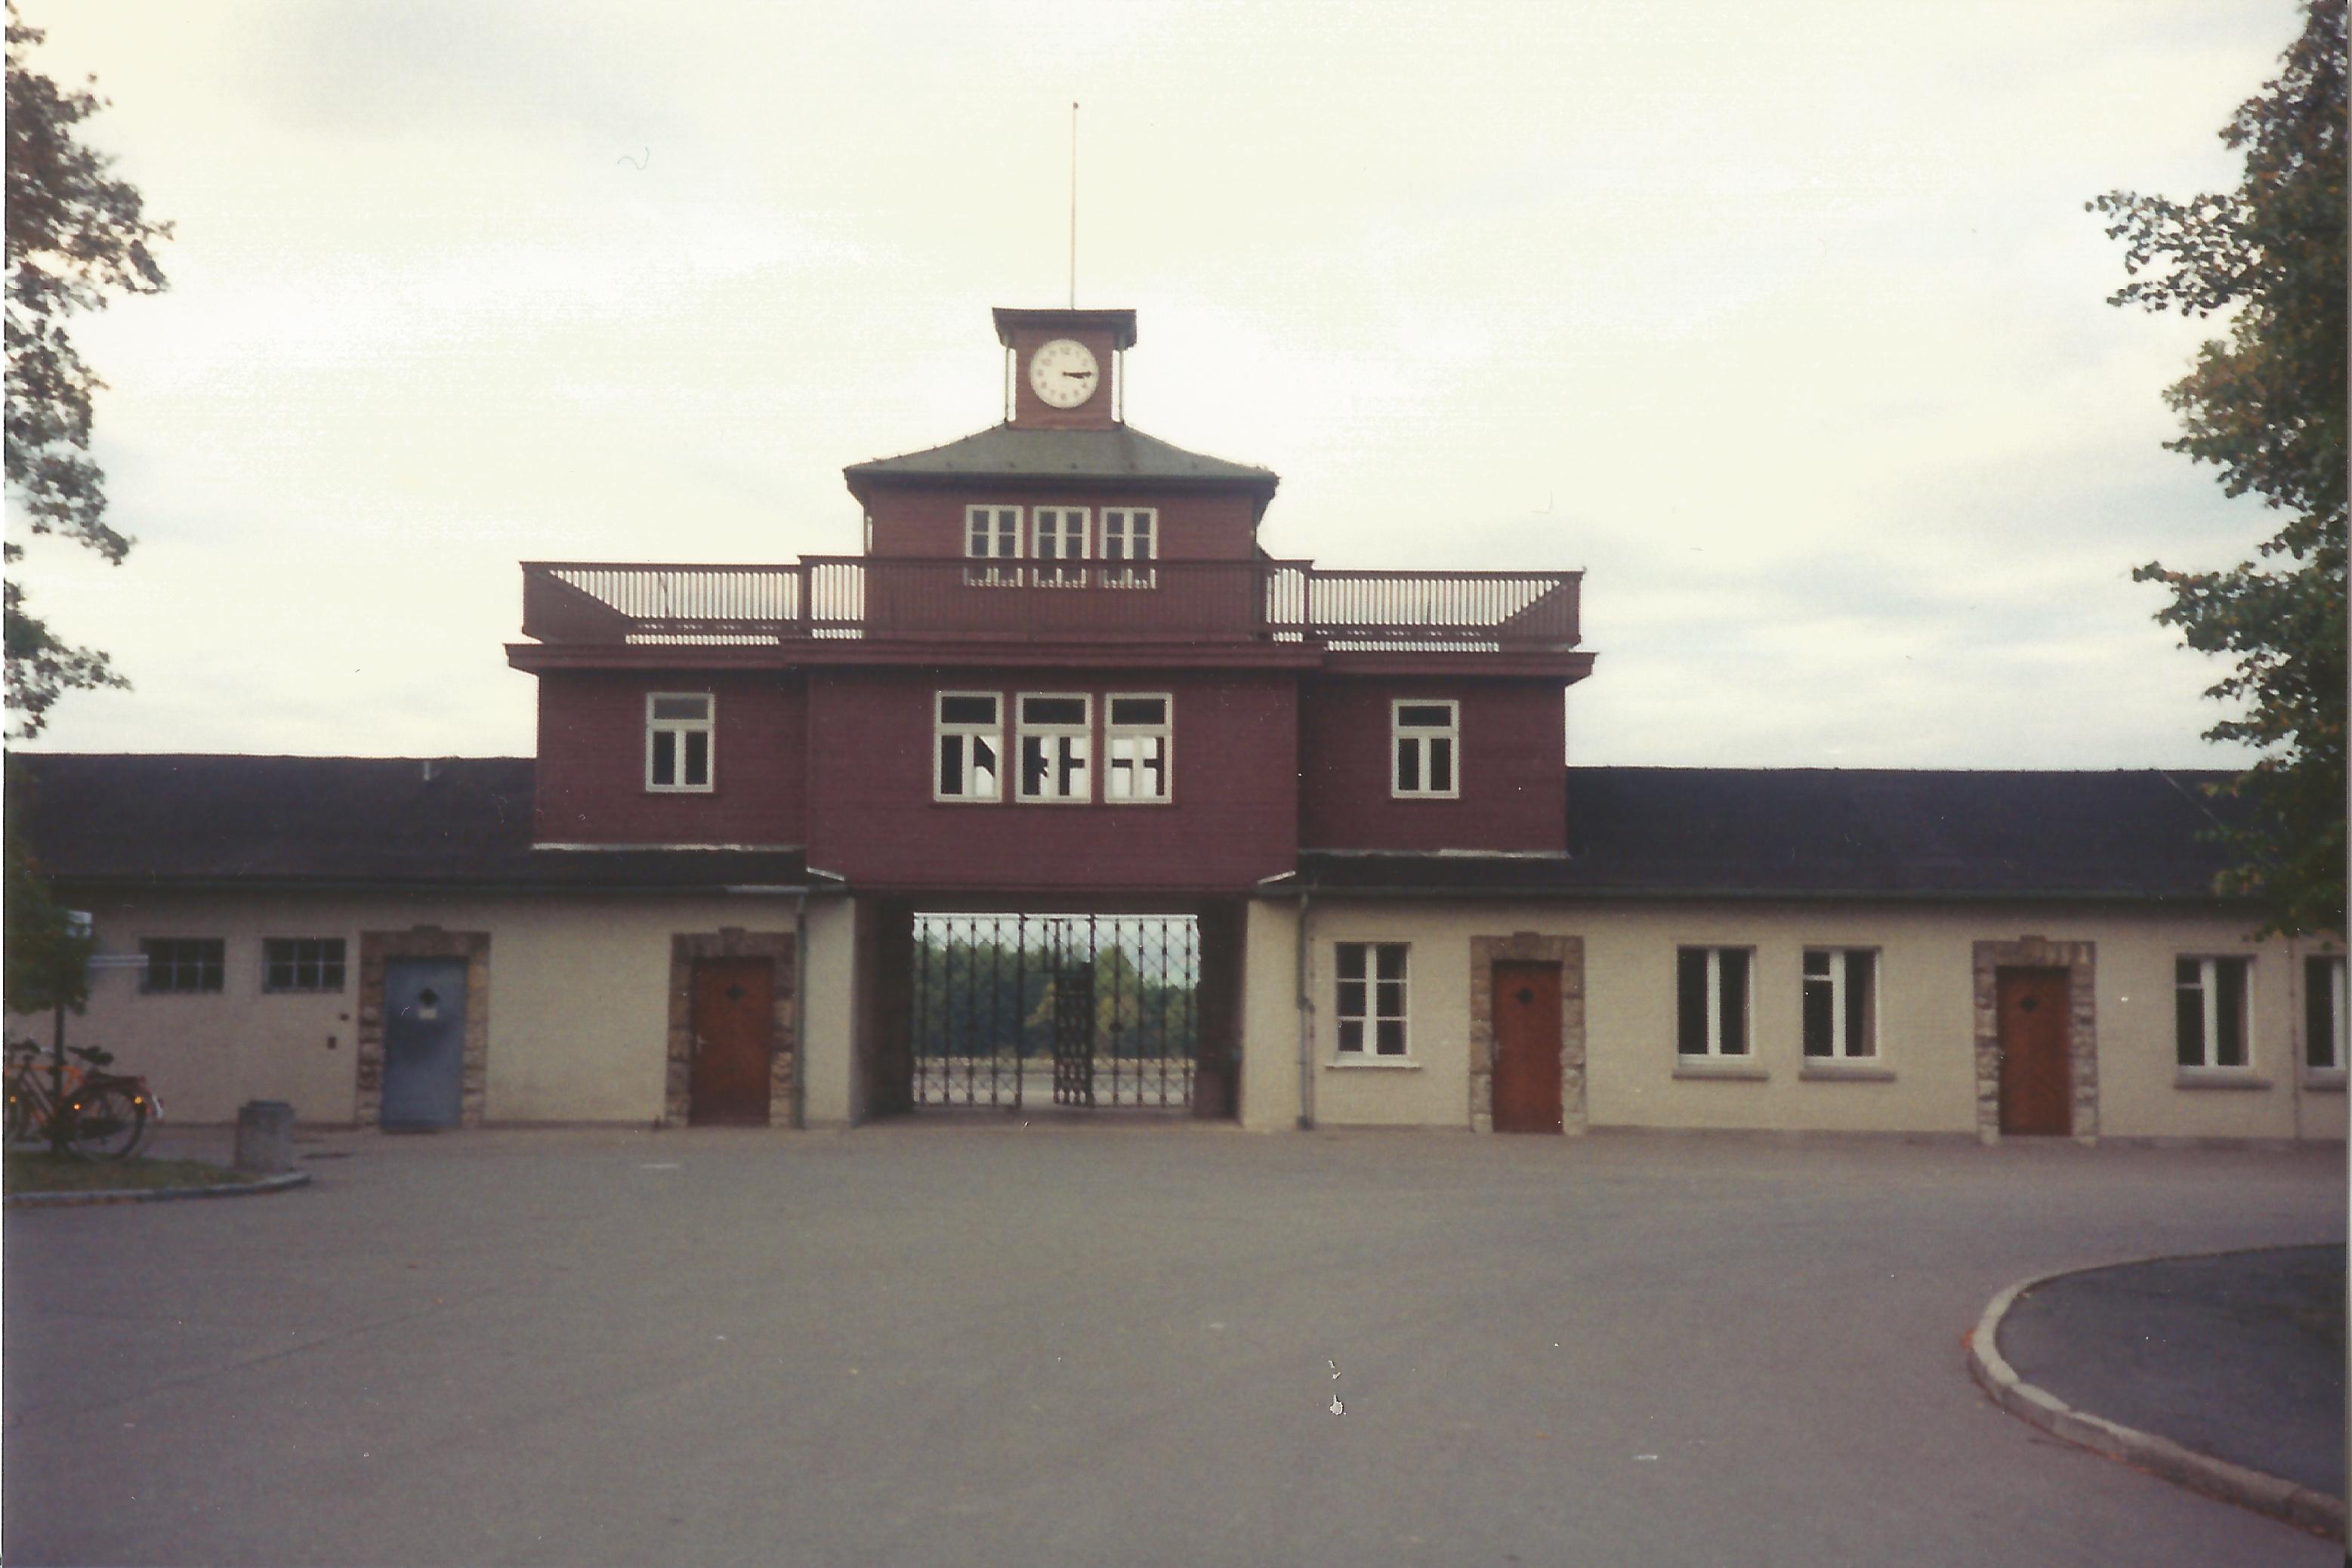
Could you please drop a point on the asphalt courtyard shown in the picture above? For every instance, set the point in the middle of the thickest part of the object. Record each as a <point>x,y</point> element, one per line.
<point>919,1343</point>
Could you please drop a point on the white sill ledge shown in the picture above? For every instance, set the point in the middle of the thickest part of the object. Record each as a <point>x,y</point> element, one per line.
<point>2218,1077</point>
<point>1734,1069</point>
<point>2324,1081</point>
<point>1851,1070</point>
<point>1374,1064</point>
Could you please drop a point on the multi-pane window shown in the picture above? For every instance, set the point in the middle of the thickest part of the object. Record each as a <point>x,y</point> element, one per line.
<point>992,533</point>
<point>1711,1001</point>
<point>678,741</point>
<point>1129,533</point>
<point>1371,1001</point>
<point>1055,734</point>
<point>1137,736</point>
<point>2209,1011</point>
<point>1061,536</point>
<point>2323,1013</point>
<point>302,963</point>
<point>1427,734</point>
<point>180,964</point>
<point>1841,1002</point>
<point>969,735</point>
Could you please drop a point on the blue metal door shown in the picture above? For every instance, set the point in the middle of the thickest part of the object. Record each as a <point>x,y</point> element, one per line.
<point>424,1041</point>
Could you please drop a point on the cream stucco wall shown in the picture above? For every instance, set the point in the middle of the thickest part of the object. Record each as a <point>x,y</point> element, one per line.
<point>1922,1080</point>
<point>579,999</point>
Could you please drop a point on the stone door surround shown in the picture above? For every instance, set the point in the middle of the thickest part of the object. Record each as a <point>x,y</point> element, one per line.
<point>422,942</point>
<point>1527,947</point>
<point>729,941</point>
<point>2079,960</point>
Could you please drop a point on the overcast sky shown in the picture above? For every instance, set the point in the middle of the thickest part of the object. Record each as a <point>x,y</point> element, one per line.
<point>1784,321</point>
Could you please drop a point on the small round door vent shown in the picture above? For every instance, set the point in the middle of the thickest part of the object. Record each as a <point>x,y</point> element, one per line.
<point>734,993</point>
<point>1526,995</point>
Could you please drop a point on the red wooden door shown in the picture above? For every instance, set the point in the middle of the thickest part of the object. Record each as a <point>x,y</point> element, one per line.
<point>1527,1048</point>
<point>2035,1095</point>
<point>734,1037</point>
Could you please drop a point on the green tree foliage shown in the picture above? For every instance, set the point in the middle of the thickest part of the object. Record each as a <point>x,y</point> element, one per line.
<point>75,236</point>
<point>2266,407</point>
<point>48,965</point>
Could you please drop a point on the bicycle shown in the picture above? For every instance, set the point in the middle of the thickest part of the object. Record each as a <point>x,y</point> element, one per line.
<point>103,1115</point>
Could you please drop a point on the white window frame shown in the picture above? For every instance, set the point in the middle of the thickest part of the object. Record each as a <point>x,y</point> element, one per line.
<point>2331,966</point>
<point>1837,974</point>
<point>678,730</point>
<point>1060,739</point>
<point>318,967</point>
<point>969,730</point>
<point>1114,732</point>
<point>1051,538</point>
<point>1419,738</point>
<point>1371,1002</point>
<point>205,958</point>
<point>1120,546</point>
<point>2208,974</point>
<point>1716,1048</point>
<point>998,538</point>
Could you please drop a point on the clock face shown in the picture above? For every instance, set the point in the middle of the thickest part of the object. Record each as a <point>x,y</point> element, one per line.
<point>1062,374</point>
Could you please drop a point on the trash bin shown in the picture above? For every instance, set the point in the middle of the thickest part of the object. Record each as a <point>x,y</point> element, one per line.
<point>265,1137</point>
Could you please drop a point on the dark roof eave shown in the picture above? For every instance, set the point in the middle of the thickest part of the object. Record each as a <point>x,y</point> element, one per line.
<point>1602,894</point>
<point>281,883</point>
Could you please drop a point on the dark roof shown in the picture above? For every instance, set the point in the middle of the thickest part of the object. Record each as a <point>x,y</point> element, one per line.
<point>1121,452</point>
<point>375,821</point>
<point>1822,832</point>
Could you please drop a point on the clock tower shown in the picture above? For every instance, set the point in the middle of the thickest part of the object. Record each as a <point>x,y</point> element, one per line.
<point>1065,367</point>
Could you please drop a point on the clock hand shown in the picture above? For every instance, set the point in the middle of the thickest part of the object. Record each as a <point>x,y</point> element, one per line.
<point>1079,374</point>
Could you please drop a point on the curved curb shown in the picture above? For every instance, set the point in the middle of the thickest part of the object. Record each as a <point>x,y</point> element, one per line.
<point>2255,1490</point>
<point>157,1195</point>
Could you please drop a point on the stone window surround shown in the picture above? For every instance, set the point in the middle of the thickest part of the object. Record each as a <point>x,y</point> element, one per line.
<point>1527,947</point>
<point>2079,960</point>
<point>376,947</point>
<point>727,942</point>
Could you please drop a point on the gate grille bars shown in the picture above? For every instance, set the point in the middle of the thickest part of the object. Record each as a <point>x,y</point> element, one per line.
<point>1081,1010</point>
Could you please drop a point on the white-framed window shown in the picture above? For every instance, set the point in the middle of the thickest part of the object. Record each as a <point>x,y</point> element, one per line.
<point>302,963</point>
<point>968,729</point>
<point>1427,743</point>
<point>992,533</point>
<point>1138,736</point>
<point>1056,732</point>
<point>2323,1013</point>
<point>1130,534</point>
<point>184,964</point>
<point>1369,1004</point>
<point>1059,535</point>
<point>1711,1001</point>
<point>2210,1012</point>
<point>678,741</point>
<point>1841,992</point>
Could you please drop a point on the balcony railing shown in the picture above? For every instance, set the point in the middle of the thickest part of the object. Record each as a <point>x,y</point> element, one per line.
<point>872,597</point>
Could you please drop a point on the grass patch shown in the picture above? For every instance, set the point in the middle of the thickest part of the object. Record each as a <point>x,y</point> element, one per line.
<point>43,1172</point>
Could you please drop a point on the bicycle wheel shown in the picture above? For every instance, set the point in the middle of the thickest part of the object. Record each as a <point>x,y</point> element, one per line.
<point>20,1113</point>
<point>107,1122</point>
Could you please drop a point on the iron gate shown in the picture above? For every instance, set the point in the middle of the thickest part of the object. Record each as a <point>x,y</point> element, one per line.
<point>1084,1010</point>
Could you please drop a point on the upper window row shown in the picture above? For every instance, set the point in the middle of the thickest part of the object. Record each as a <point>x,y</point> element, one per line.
<point>1057,534</point>
<point>1054,735</point>
<point>199,963</point>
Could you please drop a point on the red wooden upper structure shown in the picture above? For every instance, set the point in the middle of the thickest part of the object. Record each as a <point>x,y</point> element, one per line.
<point>1063,666</point>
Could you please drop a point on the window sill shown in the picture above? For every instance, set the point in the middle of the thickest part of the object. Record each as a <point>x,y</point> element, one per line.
<point>1851,1070</point>
<point>1374,1064</point>
<point>2218,1077</point>
<point>1736,1069</point>
<point>2324,1081</point>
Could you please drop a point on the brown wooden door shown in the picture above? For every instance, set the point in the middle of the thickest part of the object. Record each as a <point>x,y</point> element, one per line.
<point>2035,1095</point>
<point>734,1037</point>
<point>1527,1048</point>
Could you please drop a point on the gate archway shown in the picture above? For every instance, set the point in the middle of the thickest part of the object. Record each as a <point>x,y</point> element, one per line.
<point>1089,1011</point>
